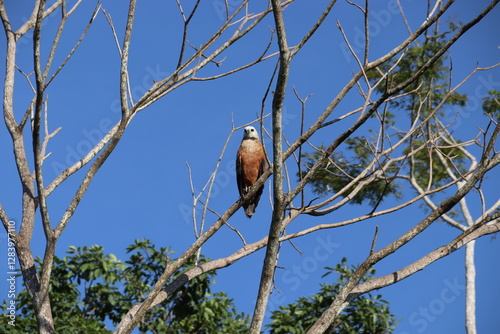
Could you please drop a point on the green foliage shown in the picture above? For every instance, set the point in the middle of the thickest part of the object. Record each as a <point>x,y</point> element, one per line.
<point>89,287</point>
<point>337,172</point>
<point>425,101</point>
<point>491,104</point>
<point>428,166</point>
<point>366,314</point>
<point>431,86</point>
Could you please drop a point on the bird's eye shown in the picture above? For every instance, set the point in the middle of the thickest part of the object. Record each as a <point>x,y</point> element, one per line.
<point>252,130</point>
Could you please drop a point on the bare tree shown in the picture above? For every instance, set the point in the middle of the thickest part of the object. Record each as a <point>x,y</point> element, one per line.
<point>387,151</point>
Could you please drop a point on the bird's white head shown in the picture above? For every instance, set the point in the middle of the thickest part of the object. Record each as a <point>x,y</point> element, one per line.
<point>250,133</point>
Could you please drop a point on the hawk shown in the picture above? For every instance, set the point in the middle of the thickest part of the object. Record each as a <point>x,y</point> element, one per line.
<point>250,165</point>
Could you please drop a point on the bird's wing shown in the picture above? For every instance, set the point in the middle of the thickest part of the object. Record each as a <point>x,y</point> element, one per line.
<point>262,168</point>
<point>239,178</point>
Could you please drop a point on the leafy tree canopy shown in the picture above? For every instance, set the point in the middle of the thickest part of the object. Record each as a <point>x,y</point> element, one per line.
<point>90,288</point>
<point>427,101</point>
<point>491,104</point>
<point>366,314</point>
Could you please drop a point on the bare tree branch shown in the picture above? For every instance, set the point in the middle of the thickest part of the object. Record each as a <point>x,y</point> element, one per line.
<point>458,242</point>
<point>342,300</point>
<point>315,27</point>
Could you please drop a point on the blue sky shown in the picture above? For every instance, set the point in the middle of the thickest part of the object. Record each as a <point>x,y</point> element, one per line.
<point>142,191</point>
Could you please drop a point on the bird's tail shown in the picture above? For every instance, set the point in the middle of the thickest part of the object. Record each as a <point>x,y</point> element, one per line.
<point>250,210</point>
<point>252,205</point>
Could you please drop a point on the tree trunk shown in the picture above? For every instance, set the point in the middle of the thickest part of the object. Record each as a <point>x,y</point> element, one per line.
<point>40,298</point>
<point>470,284</point>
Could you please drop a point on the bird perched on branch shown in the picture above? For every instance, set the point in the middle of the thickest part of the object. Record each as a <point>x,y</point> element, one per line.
<point>250,165</point>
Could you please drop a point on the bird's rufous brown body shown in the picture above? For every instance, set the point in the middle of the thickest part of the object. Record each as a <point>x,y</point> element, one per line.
<point>250,165</point>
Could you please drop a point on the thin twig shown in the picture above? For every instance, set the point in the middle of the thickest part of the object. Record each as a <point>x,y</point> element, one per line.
<point>374,241</point>
<point>404,17</point>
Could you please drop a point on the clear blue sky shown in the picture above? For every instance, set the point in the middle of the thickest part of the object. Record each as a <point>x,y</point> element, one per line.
<point>143,191</point>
